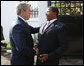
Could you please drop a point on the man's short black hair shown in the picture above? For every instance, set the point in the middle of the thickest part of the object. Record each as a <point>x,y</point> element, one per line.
<point>54,9</point>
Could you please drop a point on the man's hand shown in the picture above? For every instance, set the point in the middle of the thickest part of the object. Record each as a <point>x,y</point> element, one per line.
<point>43,57</point>
<point>37,50</point>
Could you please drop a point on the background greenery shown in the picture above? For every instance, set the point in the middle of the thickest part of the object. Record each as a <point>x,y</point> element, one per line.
<point>69,7</point>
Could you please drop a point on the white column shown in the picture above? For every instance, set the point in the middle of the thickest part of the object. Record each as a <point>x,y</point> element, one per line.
<point>8,14</point>
<point>42,7</point>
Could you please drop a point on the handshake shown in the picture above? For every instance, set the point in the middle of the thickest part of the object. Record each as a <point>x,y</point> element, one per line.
<point>42,57</point>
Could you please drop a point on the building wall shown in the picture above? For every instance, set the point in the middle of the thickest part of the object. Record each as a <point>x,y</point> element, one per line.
<point>8,15</point>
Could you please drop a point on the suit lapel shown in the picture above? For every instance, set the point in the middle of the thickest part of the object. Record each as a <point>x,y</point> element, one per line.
<point>50,26</point>
<point>41,29</point>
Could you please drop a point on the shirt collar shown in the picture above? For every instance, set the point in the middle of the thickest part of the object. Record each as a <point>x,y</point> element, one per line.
<point>51,21</point>
<point>22,18</point>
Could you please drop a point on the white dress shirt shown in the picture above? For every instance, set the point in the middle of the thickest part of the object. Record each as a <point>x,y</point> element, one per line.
<point>51,21</point>
<point>22,18</point>
<point>48,23</point>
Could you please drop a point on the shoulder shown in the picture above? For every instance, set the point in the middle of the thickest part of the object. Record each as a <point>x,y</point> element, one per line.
<point>16,26</point>
<point>59,25</point>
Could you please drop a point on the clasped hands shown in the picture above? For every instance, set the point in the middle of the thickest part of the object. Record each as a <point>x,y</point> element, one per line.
<point>42,57</point>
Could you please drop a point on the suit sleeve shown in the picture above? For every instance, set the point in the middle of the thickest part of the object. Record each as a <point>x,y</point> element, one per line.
<point>20,42</point>
<point>34,30</point>
<point>61,36</point>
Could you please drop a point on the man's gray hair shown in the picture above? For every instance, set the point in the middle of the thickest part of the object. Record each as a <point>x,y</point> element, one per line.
<point>21,6</point>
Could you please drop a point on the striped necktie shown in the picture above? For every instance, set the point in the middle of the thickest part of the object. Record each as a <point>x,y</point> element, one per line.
<point>47,24</point>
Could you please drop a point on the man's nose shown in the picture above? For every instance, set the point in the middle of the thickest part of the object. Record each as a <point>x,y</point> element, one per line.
<point>30,12</point>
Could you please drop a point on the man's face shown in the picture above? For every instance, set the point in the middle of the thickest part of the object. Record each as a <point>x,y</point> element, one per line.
<point>49,14</point>
<point>27,13</point>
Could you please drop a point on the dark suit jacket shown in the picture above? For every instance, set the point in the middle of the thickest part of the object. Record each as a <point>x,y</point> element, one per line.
<point>53,42</point>
<point>22,43</point>
<point>2,37</point>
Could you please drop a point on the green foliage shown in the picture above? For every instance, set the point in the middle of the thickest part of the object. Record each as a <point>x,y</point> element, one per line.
<point>8,46</point>
<point>35,38</point>
<point>69,7</point>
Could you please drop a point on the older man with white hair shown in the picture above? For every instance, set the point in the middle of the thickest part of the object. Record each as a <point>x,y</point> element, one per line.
<point>20,37</point>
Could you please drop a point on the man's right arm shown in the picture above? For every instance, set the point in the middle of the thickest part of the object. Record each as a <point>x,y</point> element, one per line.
<point>20,42</point>
<point>34,30</point>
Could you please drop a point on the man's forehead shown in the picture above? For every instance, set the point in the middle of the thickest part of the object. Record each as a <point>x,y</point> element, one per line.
<point>48,9</point>
<point>28,6</point>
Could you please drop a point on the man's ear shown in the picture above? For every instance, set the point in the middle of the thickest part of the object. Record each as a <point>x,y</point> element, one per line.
<point>22,11</point>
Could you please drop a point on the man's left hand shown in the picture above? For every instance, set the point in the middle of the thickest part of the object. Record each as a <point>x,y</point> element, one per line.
<point>43,57</point>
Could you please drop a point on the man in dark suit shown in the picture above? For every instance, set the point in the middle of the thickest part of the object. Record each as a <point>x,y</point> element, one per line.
<point>2,37</point>
<point>20,37</point>
<point>52,41</point>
